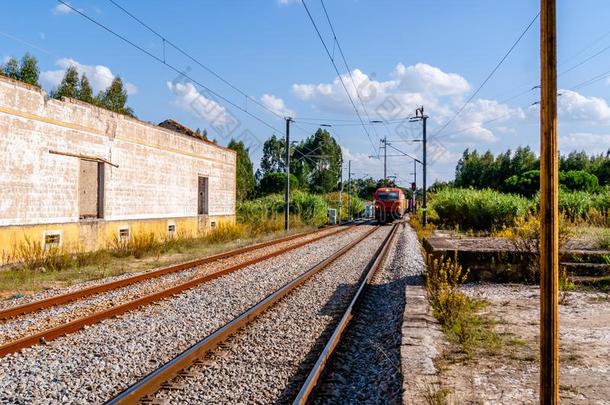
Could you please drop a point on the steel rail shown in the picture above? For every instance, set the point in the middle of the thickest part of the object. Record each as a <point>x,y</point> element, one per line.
<point>85,292</point>
<point>153,381</point>
<point>77,324</point>
<point>313,377</point>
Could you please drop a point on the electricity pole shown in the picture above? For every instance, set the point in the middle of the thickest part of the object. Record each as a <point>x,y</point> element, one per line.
<point>549,192</point>
<point>287,171</point>
<point>424,203</point>
<point>414,182</point>
<point>419,115</point>
<point>349,188</point>
<point>341,192</point>
<point>385,157</point>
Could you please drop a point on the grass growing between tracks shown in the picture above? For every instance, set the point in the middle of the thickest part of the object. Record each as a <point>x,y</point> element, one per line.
<point>38,269</point>
<point>459,315</point>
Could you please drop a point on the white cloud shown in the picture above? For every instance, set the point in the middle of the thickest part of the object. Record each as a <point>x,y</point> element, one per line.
<point>408,88</point>
<point>589,142</point>
<point>474,122</point>
<point>286,2</point>
<point>277,105</point>
<point>576,107</point>
<point>61,9</point>
<point>425,78</point>
<point>191,100</point>
<point>99,76</point>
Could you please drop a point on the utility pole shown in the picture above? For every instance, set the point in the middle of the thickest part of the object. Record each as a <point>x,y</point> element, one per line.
<point>287,171</point>
<point>414,182</point>
<point>349,188</point>
<point>341,192</point>
<point>549,192</point>
<point>385,157</point>
<point>424,203</point>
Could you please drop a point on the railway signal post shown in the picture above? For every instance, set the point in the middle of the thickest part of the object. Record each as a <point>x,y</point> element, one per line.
<point>549,219</point>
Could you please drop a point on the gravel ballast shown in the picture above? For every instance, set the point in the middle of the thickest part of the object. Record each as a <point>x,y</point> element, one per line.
<point>94,364</point>
<point>269,359</point>
<point>38,321</point>
<point>366,367</point>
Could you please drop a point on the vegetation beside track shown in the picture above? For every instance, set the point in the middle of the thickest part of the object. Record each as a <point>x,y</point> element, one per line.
<point>39,269</point>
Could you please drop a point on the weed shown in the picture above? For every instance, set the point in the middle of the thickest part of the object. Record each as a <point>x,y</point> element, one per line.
<point>435,395</point>
<point>603,239</point>
<point>458,313</point>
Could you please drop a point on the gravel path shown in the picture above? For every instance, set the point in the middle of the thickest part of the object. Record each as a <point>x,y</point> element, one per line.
<point>366,366</point>
<point>28,324</point>
<point>92,365</point>
<point>269,360</point>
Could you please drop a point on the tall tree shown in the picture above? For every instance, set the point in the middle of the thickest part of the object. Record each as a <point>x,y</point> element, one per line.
<point>11,69</point>
<point>245,171</point>
<point>69,86</point>
<point>85,92</point>
<point>29,71</point>
<point>273,155</point>
<point>114,98</point>
<point>321,158</point>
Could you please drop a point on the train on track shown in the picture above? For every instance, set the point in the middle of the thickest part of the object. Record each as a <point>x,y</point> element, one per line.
<point>390,204</point>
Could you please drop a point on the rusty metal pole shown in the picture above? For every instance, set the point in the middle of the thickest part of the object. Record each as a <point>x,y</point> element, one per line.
<point>549,218</point>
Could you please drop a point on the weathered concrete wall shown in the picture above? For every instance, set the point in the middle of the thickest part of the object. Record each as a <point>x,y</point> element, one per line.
<point>156,177</point>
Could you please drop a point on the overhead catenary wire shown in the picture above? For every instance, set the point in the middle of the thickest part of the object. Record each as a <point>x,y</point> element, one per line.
<point>172,67</point>
<point>489,76</point>
<point>338,73</point>
<point>349,70</point>
<point>195,60</point>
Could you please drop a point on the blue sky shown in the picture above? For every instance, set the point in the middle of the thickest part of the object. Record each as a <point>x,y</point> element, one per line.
<point>401,53</point>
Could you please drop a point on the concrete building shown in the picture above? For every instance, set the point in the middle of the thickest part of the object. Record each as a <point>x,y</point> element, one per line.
<point>79,176</point>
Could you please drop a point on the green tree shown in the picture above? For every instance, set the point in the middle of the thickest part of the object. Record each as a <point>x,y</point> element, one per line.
<point>69,86</point>
<point>524,160</point>
<point>273,156</point>
<point>85,92</point>
<point>114,98</point>
<point>245,172</point>
<point>275,182</point>
<point>29,71</point>
<point>11,69</point>
<point>579,180</point>
<point>526,184</point>
<point>321,158</point>
<point>574,161</point>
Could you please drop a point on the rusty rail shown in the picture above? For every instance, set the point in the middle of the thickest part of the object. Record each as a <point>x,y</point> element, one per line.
<point>375,263</point>
<point>78,324</point>
<point>153,381</point>
<point>85,292</point>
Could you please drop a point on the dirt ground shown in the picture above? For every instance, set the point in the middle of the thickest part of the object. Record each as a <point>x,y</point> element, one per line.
<point>510,376</point>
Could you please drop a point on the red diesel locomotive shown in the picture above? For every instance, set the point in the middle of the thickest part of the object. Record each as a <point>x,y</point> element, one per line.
<point>390,204</point>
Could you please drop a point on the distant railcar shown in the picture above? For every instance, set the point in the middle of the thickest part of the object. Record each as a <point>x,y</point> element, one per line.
<point>390,204</point>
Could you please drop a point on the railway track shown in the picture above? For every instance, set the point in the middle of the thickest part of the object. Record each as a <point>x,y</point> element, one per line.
<point>63,325</point>
<point>168,376</point>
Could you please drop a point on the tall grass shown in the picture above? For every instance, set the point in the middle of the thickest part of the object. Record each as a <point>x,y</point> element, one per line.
<point>489,210</point>
<point>476,209</point>
<point>305,208</point>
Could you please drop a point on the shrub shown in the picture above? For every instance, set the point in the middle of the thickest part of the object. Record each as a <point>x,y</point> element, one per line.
<point>579,180</point>
<point>526,184</point>
<point>305,208</point>
<point>275,182</point>
<point>456,312</point>
<point>476,209</point>
<point>332,199</point>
